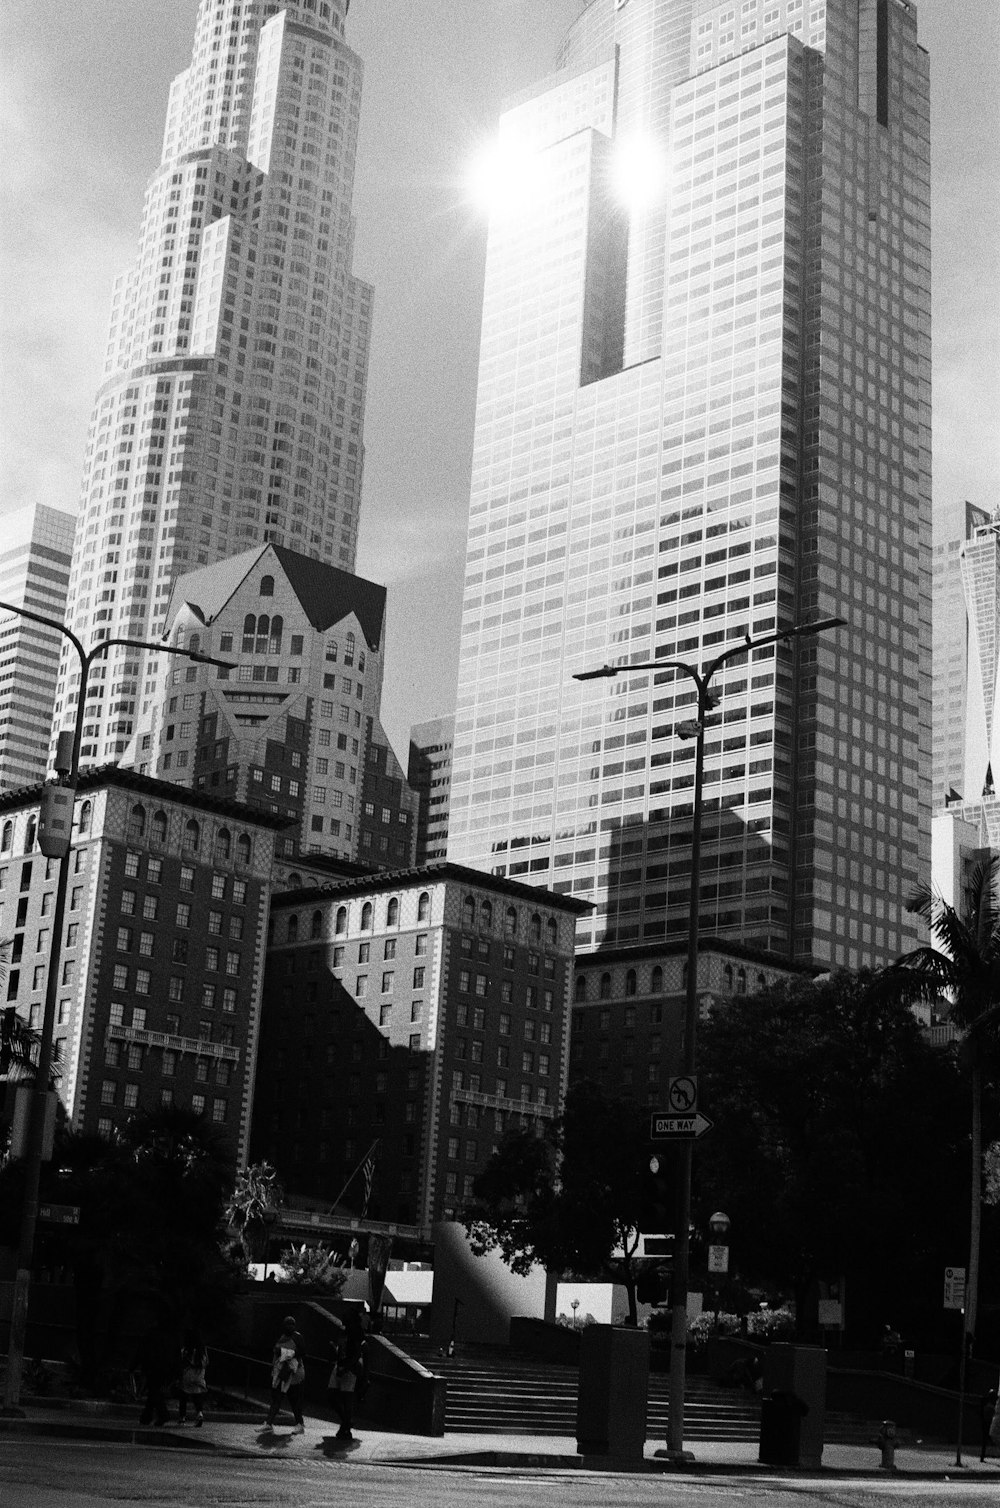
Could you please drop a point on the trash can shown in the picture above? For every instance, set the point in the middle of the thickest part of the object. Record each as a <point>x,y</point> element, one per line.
<point>781,1416</point>
<point>613,1390</point>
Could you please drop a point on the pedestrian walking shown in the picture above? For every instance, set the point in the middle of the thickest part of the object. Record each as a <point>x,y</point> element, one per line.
<point>989,1416</point>
<point>288,1374</point>
<point>194,1364</point>
<point>157,1361</point>
<point>349,1377</point>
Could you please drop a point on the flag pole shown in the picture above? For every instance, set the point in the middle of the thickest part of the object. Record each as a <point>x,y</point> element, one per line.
<point>368,1158</point>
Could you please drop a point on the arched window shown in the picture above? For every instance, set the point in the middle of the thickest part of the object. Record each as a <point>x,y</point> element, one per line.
<point>631,983</point>
<point>486,916</point>
<point>7,840</point>
<point>267,586</point>
<point>293,928</point>
<point>551,931</point>
<point>192,836</point>
<point>366,917</point>
<point>294,881</point>
<point>249,629</point>
<point>274,642</point>
<point>340,926</point>
<point>195,642</point>
<point>159,827</point>
<point>656,980</point>
<point>137,821</point>
<point>30,834</point>
<point>468,912</point>
<point>605,990</point>
<point>510,922</point>
<point>423,906</point>
<point>317,924</point>
<point>762,981</point>
<point>349,650</point>
<point>86,812</point>
<point>331,651</point>
<point>392,913</point>
<point>361,661</point>
<point>243,849</point>
<point>741,982</point>
<point>263,629</point>
<point>581,987</point>
<point>727,975</point>
<point>535,928</point>
<point>223,843</point>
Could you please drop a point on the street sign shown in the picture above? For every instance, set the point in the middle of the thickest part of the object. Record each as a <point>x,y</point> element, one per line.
<point>718,1259</point>
<point>682,1095</point>
<point>59,1214</point>
<point>954,1288</point>
<point>678,1127</point>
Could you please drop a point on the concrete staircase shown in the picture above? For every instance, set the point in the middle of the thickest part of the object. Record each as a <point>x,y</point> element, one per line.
<point>495,1391</point>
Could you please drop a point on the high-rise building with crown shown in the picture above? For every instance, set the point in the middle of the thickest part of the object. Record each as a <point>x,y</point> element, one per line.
<point>703,413</point>
<point>232,404</point>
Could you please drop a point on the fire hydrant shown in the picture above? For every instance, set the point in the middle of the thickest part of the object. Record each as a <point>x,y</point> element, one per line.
<point>886,1440</point>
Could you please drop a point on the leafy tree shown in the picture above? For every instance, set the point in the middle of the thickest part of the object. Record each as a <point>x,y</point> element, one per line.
<point>964,970</point>
<point>569,1198</point>
<point>253,1204</point>
<point>836,1146</point>
<point>151,1214</point>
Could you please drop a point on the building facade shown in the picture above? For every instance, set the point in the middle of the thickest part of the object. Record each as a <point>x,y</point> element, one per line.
<point>419,1013</point>
<point>628,1010</point>
<point>35,559</point>
<point>232,405</point>
<point>951,659</point>
<point>703,413</point>
<point>294,728</point>
<point>162,958</point>
<point>429,774</point>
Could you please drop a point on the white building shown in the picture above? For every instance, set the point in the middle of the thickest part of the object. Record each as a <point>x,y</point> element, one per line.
<point>35,554</point>
<point>232,403</point>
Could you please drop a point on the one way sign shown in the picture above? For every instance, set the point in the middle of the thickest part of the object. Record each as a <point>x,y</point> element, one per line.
<point>666,1127</point>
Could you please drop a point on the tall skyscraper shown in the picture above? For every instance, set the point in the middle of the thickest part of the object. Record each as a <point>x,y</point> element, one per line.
<point>233,397</point>
<point>429,774</point>
<point>951,649</point>
<point>703,412</point>
<point>34,573</point>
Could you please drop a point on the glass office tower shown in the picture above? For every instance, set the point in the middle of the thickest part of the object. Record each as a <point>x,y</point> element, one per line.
<point>232,405</point>
<point>703,412</point>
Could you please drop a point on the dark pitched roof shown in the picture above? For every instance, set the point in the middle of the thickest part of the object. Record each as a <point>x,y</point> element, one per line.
<point>327,594</point>
<point>431,874</point>
<point>162,790</point>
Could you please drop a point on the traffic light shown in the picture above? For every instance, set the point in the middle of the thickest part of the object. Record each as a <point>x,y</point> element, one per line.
<point>55,820</point>
<point>656,1211</point>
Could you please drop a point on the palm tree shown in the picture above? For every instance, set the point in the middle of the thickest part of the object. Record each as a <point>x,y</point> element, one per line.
<point>964,969</point>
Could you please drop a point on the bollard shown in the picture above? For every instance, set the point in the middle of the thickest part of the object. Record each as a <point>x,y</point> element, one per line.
<point>886,1439</point>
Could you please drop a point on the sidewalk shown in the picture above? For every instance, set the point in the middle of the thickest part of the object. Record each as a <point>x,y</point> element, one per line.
<point>245,1435</point>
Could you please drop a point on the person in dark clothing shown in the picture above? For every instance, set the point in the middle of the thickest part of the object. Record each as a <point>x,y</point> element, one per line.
<point>349,1374</point>
<point>157,1360</point>
<point>288,1374</point>
<point>987,1409</point>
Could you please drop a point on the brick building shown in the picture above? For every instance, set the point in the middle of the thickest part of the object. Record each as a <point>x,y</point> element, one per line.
<point>427,1010</point>
<point>163,951</point>
<point>628,1008</point>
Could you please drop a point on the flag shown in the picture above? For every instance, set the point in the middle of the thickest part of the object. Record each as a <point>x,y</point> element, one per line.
<point>368,1175</point>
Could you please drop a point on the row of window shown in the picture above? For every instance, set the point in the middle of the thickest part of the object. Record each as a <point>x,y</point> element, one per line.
<point>736,981</point>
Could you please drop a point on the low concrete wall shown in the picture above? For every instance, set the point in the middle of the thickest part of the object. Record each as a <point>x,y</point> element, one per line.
<point>403,1395</point>
<point>927,1411</point>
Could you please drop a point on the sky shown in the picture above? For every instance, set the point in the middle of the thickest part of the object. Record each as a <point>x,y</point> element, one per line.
<point>83,90</point>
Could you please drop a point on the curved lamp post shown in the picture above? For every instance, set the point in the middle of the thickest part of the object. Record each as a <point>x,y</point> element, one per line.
<point>694,728</point>
<point>55,844</point>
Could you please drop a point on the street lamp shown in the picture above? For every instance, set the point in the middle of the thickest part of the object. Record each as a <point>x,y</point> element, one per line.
<point>718,1254</point>
<point>694,728</point>
<point>54,836</point>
